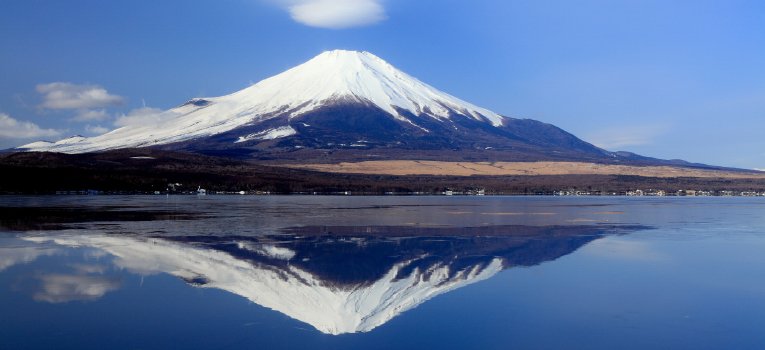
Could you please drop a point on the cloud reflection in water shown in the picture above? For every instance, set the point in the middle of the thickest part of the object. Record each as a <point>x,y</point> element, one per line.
<point>64,288</point>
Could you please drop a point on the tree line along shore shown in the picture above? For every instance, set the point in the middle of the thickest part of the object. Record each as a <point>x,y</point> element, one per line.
<point>147,171</point>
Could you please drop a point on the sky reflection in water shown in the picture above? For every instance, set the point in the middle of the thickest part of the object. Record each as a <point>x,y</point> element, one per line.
<point>407,272</point>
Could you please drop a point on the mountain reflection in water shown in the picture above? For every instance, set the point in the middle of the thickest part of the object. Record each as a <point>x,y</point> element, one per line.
<point>343,279</point>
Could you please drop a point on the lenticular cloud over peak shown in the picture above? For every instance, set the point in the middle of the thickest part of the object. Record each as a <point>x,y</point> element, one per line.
<point>336,14</point>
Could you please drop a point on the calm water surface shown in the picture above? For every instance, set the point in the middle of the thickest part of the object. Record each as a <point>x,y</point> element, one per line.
<point>297,272</point>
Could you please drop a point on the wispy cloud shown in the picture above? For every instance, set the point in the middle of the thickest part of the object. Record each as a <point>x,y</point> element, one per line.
<point>89,114</point>
<point>140,116</point>
<point>70,96</point>
<point>618,249</point>
<point>336,14</point>
<point>82,269</point>
<point>614,139</point>
<point>14,129</point>
<point>98,129</point>
<point>20,99</point>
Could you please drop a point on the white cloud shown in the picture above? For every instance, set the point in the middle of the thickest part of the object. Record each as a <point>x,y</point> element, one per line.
<point>87,114</point>
<point>140,116</point>
<point>14,129</point>
<point>13,256</point>
<point>758,169</point>
<point>64,288</point>
<point>614,139</point>
<point>336,14</point>
<point>98,129</point>
<point>68,95</point>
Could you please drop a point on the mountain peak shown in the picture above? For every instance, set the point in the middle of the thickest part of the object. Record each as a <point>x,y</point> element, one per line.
<point>352,60</point>
<point>332,76</point>
<point>346,54</point>
<point>363,76</point>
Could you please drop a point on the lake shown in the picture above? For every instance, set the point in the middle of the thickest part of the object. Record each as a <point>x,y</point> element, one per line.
<point>347,272</point>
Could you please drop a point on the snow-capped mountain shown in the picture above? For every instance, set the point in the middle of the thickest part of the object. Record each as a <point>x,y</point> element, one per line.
<point>377,280</point>
<point>339,99</point>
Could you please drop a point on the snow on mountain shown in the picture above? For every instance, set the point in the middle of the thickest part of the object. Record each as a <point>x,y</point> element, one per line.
<point>331,76</point>
<point>294,292</point>
<point>40,145</point>
<point>270,134</point>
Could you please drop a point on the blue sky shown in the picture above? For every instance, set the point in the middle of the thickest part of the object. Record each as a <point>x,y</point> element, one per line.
<point>667,79</point>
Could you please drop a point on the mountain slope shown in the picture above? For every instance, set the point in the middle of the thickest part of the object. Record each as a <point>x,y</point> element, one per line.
<point>343,100</point>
